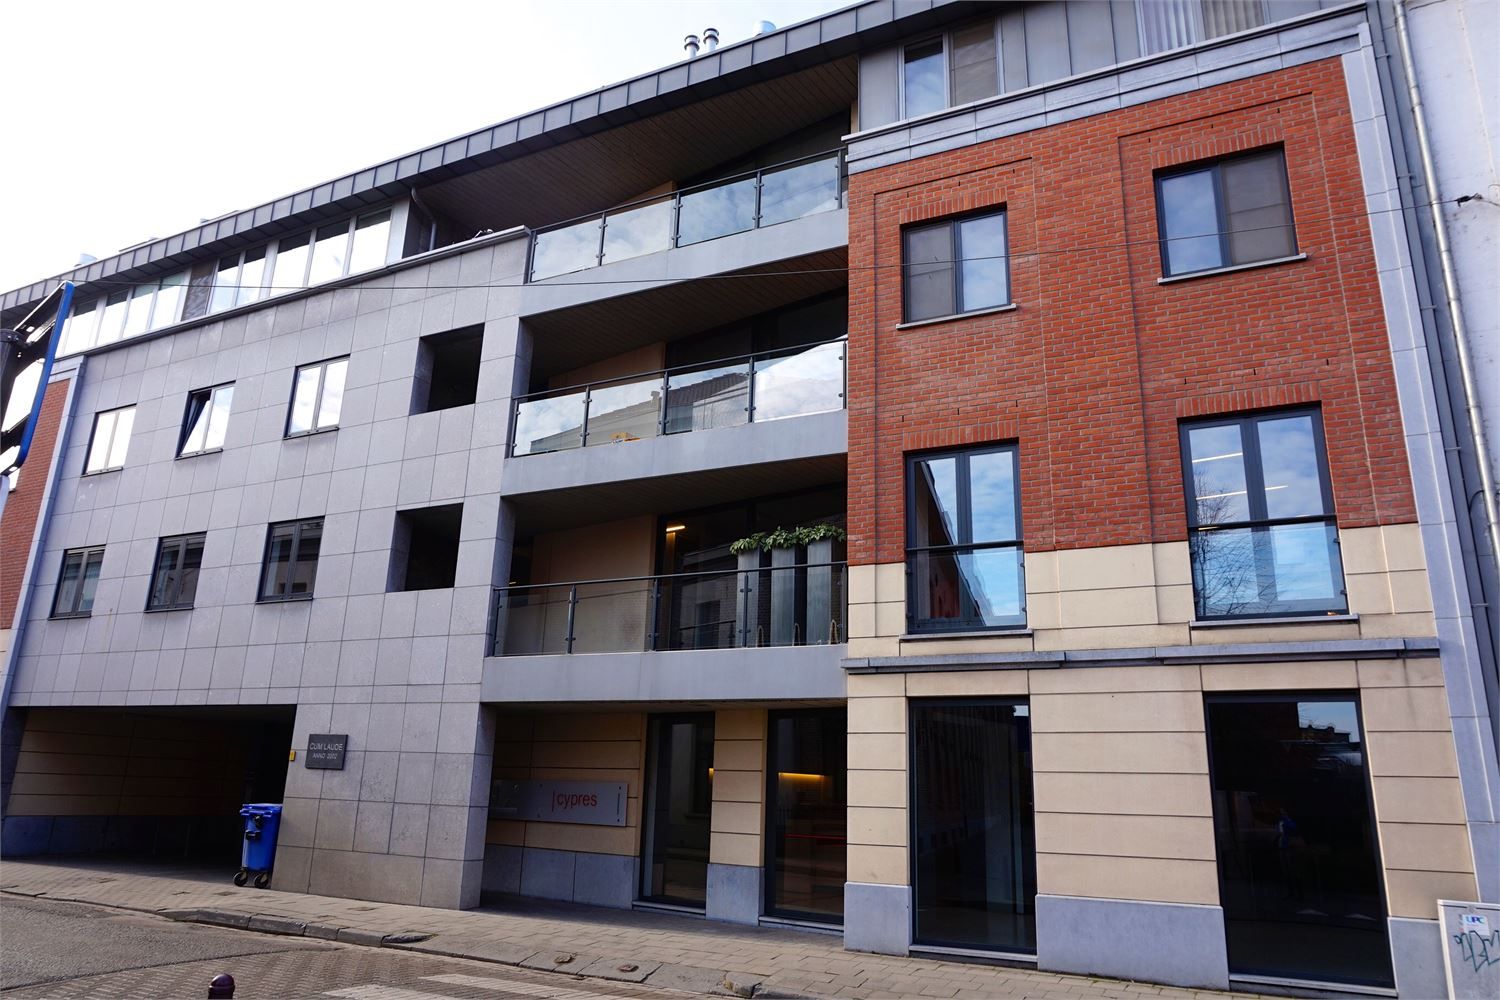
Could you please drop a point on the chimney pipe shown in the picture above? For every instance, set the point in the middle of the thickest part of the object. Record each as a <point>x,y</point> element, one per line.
<point>710,39</point>
<point>690,46</point>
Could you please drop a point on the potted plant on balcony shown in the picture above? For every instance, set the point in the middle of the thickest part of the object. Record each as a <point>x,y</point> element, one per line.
<point>797,598</point>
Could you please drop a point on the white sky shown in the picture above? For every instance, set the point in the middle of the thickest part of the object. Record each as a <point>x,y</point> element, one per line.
<point>128,121</point>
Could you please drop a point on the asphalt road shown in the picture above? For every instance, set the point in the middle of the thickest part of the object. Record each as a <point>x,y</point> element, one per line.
<point>62,951</point>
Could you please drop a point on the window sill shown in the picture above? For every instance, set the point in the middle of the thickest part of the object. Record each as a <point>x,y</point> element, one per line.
<point>164,610</point>
<point>293,435</point>
<point>292,599</point>
<point>1008,307</point>
<point>100,472</point>
<point>1172,279</point>
<point>998,632</point>
<point>1312,619</point>
<point>68,617</point>
<point>197,454</point>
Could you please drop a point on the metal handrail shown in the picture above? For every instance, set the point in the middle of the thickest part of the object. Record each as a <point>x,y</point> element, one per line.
<point>674,198</point>
<point>670,576</point>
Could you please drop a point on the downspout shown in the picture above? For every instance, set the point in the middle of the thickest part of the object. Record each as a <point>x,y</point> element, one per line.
<point>1450,285</point>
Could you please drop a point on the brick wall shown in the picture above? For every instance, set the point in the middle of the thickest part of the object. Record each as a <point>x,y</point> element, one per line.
<point>18,525</point>
<point>1093,371</point>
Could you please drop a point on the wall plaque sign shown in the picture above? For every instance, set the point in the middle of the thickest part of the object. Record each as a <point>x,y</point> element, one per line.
<point>595,803</point>
<point>325,751</point>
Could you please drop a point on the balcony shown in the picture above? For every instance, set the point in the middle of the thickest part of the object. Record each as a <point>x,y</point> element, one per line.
<point>787,191</point>
<point>753,388</point>
<point>780,605</point>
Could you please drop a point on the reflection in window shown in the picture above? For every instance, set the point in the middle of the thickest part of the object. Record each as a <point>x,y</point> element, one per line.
<point>1262,535</point>
<point>77,582</point>
<point>1234,211</point>
<point>372,234</point>
<point>291,564</point>
<point>174,581</point>
<point>955,266</point>
<point>291,263</point>
<point>110,439</point>
<point>330,247</point>
<point>317,397</point>
<point>112,322</point>
<point>808,761</point>
<point>973,816</point>
<point>1298,862</point>
<point>922,79</point>
<point>975,70</point>
<point>207,420</point>
<point>963,553</point>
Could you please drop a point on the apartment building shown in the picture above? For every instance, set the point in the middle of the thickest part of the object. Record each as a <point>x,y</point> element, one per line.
<point>991,501</point>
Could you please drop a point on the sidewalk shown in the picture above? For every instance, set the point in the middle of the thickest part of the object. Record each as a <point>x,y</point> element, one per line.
<point>631,946</point>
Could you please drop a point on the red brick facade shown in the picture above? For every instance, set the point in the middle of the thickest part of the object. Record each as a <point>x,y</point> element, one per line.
<point>1097,365</point>
<point>18,526</point>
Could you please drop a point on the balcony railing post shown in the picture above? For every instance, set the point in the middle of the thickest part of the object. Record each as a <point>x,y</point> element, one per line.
<point>675,235</point>
<point>661,405</point>
<point>750,393</point>
<point>599,256</point>
<point>572,614</point>
<point>759,175</point>
<point>583,430</point>
<point>654,636</point>
<point>744,576</point>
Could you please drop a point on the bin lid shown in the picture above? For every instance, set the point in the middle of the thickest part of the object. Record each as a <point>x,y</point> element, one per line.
<point>260,809</point>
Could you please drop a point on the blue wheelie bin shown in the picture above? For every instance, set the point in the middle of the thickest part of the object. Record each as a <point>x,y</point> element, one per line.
<point>262,823</point>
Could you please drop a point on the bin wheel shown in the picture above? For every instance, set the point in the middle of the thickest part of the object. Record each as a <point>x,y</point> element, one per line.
<point>262,880</point>
<point>242,876</point>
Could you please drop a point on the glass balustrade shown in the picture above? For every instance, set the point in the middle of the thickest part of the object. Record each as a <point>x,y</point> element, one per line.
<point>766,197</point>
<point>797,605</point>
<point>788,383</point>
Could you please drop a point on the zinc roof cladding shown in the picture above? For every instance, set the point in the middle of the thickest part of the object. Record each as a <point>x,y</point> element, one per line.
<point>794,47</point>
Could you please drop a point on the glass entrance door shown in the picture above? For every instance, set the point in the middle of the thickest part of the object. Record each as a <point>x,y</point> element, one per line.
<point>973,826</point>
<point>679,796</point>
<point>806,813</point>
<point>1299,872</point>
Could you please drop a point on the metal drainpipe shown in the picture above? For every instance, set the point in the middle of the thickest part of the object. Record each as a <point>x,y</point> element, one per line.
<point>1450,284</point>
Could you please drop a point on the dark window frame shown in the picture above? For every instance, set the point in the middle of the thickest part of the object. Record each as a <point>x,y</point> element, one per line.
<point>954,224</point>
<point>962,479</point>
<point>1214,167</point>
<point>85,554</point>
<point>944,38</point>
<point>181,543</point>
<point>768,860</point>
<point>187,411</point>
<point>1255,483</point>
<point>297,525</point>
<point>93,433</point>
<point>291,403</point>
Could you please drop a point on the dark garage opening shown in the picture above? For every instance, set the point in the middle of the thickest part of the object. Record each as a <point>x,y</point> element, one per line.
<point>424,548</point>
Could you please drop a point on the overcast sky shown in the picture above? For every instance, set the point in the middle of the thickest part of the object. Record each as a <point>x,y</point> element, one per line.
<point>128,121</point>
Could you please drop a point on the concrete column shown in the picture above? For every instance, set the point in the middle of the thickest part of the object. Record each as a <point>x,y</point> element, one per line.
<point>404,821</point>
<point>736,850</point>
<point>877,895</point>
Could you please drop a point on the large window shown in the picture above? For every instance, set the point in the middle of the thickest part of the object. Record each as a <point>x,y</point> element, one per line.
<point>1261,531</point>
<point>808,795</point>
<point>955,266</point>
<point>679,803</point>
<point>174,581</point>
<point>1227,213</point>
<point>1299,869</point>
<point>948,70</point>
<point>291,564</point>
<point>206,421</point>
<point>317,396</point>
<point>76,583</point>
<point>110,438</point>
<point>964,564</point>
<point>973,825</point>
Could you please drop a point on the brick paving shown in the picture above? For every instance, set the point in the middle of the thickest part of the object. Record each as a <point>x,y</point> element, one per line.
<point>670,951</point>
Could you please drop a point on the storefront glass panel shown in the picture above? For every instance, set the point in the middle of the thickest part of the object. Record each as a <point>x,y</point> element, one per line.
<point>805,852</point>
<point>679,797</point>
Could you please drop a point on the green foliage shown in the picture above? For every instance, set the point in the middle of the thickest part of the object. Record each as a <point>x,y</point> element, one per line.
<point>788,538</point>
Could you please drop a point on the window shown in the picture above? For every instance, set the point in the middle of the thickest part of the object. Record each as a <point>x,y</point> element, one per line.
<point>174,581</point>
<point>1261,531</point>
<point>447,370</point>
<point>291,560</point>
<point>1299,864</point>
<point>372,234</point>
<point>77,582</point>
<point>807,775</point>
<point>317,397</point>
<point>1232,211</point>
<point>109,440</point>
<point>239,279</point>
<point>952,69</point>
<point>964,563</point>
<point>922,78</point>
<point>1170,24</point>
<point>424,549</point>
<point>955,266</point>
<point>207,420</point>
<point>124,314</point>
<point>973,74</point>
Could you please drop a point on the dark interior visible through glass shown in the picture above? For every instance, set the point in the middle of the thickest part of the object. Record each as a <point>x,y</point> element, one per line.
<point>806,816</point>
<point>1299,870</point>
<point>679,798</point>
<point>291,560</point>
<point>973,825</point>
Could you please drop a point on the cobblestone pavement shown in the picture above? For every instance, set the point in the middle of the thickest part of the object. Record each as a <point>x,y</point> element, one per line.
<point>667,951</point>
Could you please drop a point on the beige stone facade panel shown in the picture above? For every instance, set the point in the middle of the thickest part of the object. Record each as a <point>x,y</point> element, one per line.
<point>1189,838</point>
<point>740,724</point>
<point>738,786</point>
<point>968,684</point>
<point>877,751</point>
<point>885,789</point>
<point>880,827</point>
<point>1117,712</point>
<point>1412,755</point>
<point>1313,674</point>
<point>1104,568</point>
<point>877,715</point>
<point>1309,631</point>
<point>1153,880</point>
<point>1362,550</point>
<point>883,646</point>
<point>1398,626</point>
<point>1130,753</point>
<point>1084,680</point>
<point>877,864</point>
<point>862,584</point>
<point>1403,547</point>
<point>1087,609</point>
<point>890,582</point>
<point>1430,847</point>
<point>1369,593</point>
<point>1405,710</point>
<point>589,727</point>
<point>1123,794</point>
<point>862,621</point>
<point>999,642</point>
<point>1425,672</point>
<point>739,755</point>
<point>1415,893</point>
<point>611,754</point>
<point>1418,800</point>
<point>876,685</point>
<point>734,849</point>
<point>1112,637</point>
<point>590,839</point>
<point>736,817</point>
<point>1172,564</point>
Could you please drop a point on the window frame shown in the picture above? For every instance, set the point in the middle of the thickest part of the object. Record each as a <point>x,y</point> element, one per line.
<point>955,226</point>
<point>964,483</point>
<point>85,554</point>
<point>296,525</point>
<point>185,430</point>
<point>113,429</point>
<point>945,37</point>
<point>322,366</point>
<point>1255,489</point>
<point>1214,167</point>
<point>181,542</point>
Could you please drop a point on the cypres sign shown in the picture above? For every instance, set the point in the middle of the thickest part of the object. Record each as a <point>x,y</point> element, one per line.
<point>593,803</point>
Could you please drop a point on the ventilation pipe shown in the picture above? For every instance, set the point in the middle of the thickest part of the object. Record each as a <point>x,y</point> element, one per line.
<point>690,46</point>
<point>710,39</point>
<point>764,28</point>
